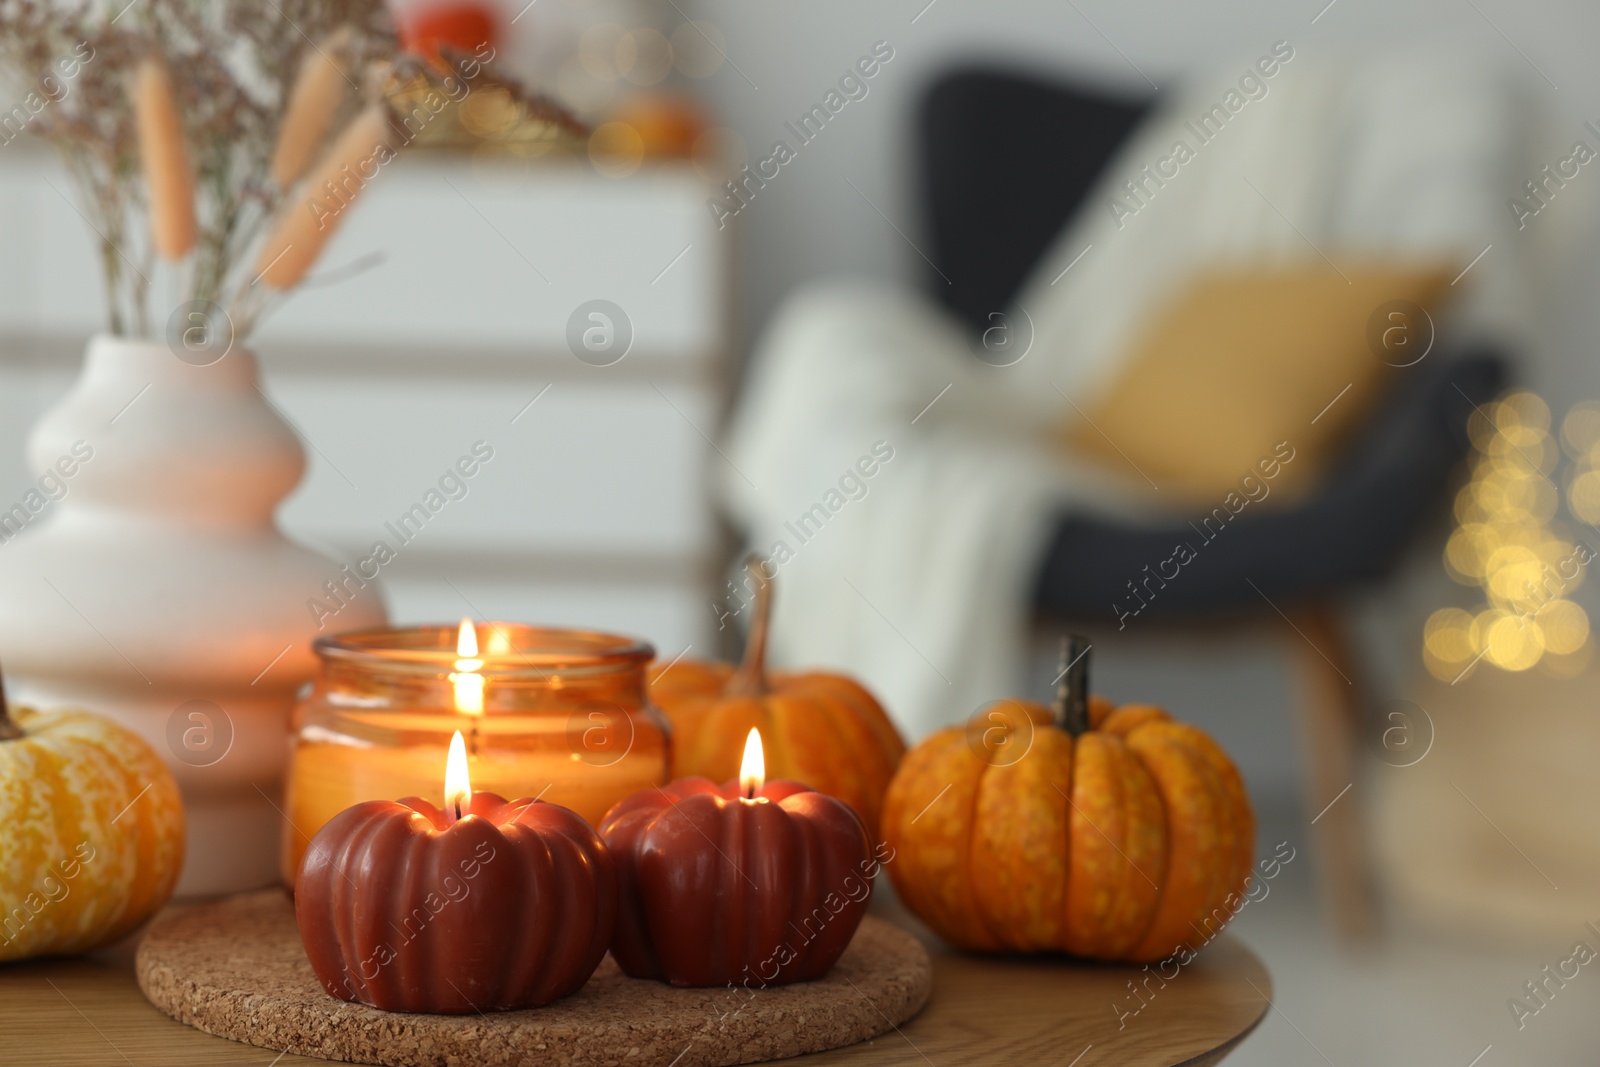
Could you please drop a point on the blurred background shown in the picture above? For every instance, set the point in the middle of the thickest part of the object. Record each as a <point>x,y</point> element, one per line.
<point>1465,828</point>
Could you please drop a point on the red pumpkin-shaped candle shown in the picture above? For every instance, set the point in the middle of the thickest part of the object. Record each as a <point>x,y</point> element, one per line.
<point>489,905</point>
<point>749,883</point>
<point>818,728</point>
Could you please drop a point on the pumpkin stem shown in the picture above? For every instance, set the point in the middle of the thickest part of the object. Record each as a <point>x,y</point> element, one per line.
<point>750,680</point>
<point>1072,688</point>
<point>9,730</point>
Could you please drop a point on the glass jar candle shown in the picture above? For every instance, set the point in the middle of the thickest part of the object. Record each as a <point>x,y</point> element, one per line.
<point>551,713</point>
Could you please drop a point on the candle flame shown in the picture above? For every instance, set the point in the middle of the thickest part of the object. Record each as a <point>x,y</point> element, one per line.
<point>753,769</point>
<point>457,782</point>
<point>468,682</point>
<point>467,640</point>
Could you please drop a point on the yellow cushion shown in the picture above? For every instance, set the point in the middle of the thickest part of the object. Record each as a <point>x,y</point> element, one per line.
<point>1241,361</point>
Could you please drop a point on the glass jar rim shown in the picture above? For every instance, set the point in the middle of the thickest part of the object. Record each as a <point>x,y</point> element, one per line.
<point>431,649</point>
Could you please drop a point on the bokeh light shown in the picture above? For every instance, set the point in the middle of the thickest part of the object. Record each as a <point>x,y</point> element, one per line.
<point>1580,430</point>
<point>598,48</point>
<point>1506,544</point>
<point>644,56</point>
<point>616,149</point>
<point>698,49</point>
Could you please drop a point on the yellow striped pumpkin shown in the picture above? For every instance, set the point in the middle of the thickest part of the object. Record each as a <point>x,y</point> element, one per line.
<point>91,832</point>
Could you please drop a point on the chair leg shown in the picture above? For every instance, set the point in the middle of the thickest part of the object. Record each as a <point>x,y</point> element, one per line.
<point>1332,721</point>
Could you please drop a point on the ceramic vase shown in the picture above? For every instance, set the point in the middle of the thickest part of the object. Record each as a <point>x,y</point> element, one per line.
<point>144,578</point>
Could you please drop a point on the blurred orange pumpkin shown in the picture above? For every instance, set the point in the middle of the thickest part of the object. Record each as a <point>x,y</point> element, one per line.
<point>91,832</point>
<point>668,124</point>
<point>459,24</point>
<point>823,730</point>
<point>1109,833</point>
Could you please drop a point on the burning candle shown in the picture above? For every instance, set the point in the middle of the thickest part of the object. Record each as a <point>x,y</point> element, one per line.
<point>556,714</point>
<point>753,767</point>
<point>457,778</point>
<point>482,905</point>
<point>751,882</point>
<point>466,680</point>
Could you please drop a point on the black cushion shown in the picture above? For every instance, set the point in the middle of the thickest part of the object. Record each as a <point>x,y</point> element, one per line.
<point>1006,159</point>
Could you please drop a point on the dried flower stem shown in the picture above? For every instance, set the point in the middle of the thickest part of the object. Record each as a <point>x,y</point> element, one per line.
<point>305,227</point>
<point>319,93</point>
<point>167,173</point>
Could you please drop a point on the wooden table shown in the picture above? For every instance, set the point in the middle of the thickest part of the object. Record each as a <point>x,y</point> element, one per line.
<point>89,1012</point>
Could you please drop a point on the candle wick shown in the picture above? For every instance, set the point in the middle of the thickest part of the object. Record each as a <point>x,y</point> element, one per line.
<point>750,792</point>
<point>458,808</point>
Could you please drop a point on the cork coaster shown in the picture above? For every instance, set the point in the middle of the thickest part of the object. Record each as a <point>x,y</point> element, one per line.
<point>235,968</point>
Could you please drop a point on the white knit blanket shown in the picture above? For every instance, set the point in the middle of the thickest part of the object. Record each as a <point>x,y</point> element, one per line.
<point>903,489</point>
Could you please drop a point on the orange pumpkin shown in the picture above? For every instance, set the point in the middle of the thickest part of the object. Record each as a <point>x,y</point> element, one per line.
<point>1109,833</point>
<point>823,730</point>
<point>91,832</point>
